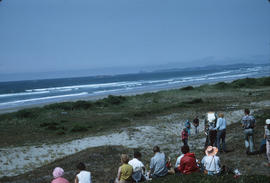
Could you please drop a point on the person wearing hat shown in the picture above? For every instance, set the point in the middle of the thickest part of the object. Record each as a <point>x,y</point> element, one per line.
<point>211,162</point>
<point>58,176</point>
<point>267,137</point>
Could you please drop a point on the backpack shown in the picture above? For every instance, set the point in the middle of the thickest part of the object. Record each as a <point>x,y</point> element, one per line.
<point>248,121</point>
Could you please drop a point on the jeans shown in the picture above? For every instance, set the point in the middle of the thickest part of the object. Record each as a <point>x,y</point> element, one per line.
<point>221,134</point>
<point>268,150</point>
<point>249,139</point>
<point>196,129</point>
<point>185,141</point>
<point>212,137</point>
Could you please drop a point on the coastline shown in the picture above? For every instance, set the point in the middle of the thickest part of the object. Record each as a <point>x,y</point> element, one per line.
<point>118,93</point>
<point>141,131</point>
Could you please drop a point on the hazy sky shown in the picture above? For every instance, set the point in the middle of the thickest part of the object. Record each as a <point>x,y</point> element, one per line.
<point>64,35</point>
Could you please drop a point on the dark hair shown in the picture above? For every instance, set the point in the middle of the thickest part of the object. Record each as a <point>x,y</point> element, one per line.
<point>156,149</point>
<point>137,154</point>
<point>81,166</point>
<point>185,149</point>
<point>247,111</point>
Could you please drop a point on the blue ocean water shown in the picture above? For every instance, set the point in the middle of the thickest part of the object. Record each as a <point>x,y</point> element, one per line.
<point>25,93</point>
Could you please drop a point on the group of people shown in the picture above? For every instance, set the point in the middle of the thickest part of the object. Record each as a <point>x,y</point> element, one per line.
<point>215,130</point>
<point>134,170</point>
<point>83,175</point>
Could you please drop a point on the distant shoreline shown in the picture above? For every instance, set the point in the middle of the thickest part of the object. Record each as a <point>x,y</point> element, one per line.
<point>97,97</point>
<point>123,93</point>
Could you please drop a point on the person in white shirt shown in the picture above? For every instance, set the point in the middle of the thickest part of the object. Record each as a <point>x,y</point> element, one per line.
<point>83,176</point>
<point>211,162</point>
<point>221,132</point>
<point>138,167</point>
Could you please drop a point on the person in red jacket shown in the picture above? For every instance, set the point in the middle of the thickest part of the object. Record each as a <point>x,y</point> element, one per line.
<point>188,162</point>
<point>184,135</point>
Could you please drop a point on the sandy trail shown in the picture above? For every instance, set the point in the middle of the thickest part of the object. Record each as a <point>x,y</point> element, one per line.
<point>18,160</point>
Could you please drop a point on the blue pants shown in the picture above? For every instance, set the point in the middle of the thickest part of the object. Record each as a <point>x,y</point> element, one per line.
<point>221,134</point>
<point>249,139</point>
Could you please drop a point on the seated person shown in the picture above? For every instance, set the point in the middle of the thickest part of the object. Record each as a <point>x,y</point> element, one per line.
<point>58,176</point>
<point>125,171</point>
<point>211,162</point>
<point>158,163</point>
<point>83,176</point>
<point>178,160</point>
<point>138,167</point>
<point>188,162</point>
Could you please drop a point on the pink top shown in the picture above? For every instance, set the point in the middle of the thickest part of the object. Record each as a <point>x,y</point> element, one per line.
<point>60,180</point>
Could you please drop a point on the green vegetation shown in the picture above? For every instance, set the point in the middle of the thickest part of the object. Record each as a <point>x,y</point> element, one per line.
<point>67,120</point>
<point>201,178</point>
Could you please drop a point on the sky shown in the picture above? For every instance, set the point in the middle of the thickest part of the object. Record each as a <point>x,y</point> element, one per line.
<point>55,38</point>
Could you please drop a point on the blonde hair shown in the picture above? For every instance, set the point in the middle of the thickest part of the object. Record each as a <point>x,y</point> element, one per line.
<point>221,115</point>
<point>124,158</point>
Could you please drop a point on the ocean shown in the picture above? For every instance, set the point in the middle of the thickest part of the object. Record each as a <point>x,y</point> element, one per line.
<point>39,92</point>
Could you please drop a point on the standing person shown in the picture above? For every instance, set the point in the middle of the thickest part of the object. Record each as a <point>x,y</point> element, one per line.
<point>125,171</point>
<point>184,135</point>
<point>188,126</point>
<point>209,129</point>
<point>58,176</point>
<point>196,123</point>
<point>248,124</point>
<point>83,176</point>
<point>221,132</point>
<point>267,137</point>
<point>138,167</point>
<point>211,162</point>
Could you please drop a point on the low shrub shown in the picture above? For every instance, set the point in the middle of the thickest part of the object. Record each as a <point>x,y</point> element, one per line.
<point>247,82</point>
<point>78,128</point>
<point>187,88</point>
<point>27,113</point>
<point>194,101</point>
<point>110,100</point>
<point>222,85</point>
<point>82,104</point>
<point>62,106</point>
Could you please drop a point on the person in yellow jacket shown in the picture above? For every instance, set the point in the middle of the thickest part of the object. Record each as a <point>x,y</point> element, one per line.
<point>125,170</point>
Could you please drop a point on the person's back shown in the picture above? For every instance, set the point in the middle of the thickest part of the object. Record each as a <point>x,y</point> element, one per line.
<point>84,177</point>
<point>138,167</point>
<point>188,164</point>
<point>158,165</point>
<point>248,122</point>
<point>126,172</point>
<point>57,174</point>
<point>211,164</point>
